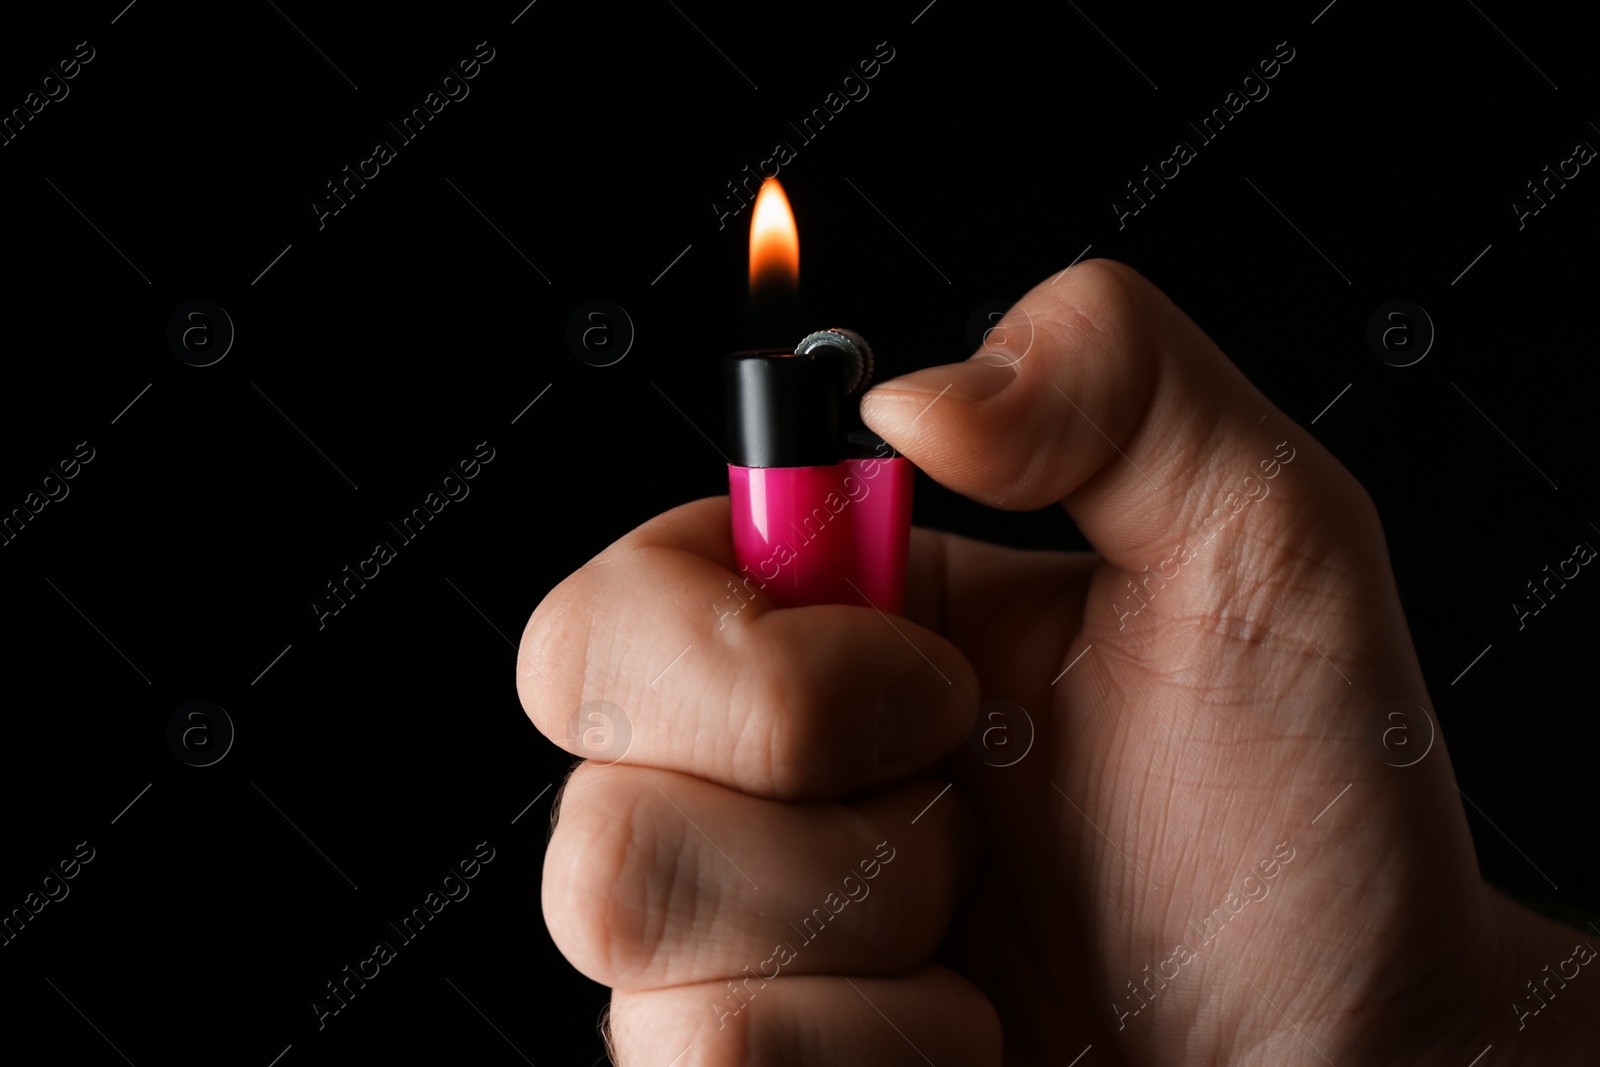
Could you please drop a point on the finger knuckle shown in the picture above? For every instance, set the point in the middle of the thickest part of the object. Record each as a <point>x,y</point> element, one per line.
<point>706,1018</point>
<point>610,878</point>
<point>1105,297</point>
<point>774,737</point>
<point>553,655</point>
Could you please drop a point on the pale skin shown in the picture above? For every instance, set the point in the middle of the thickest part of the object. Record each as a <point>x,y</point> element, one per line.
<point>1037,909</point>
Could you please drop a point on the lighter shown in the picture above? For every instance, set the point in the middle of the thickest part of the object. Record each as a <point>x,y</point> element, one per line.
<point>821,513</point>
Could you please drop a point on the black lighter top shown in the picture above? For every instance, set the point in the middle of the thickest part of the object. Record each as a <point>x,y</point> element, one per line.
<point>794,409</point>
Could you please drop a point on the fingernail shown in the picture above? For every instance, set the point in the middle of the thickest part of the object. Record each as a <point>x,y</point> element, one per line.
<point>915,711</point>
<point>979,378</point>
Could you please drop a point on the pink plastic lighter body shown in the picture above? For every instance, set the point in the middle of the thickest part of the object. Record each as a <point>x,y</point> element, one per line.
<point>825,535</point>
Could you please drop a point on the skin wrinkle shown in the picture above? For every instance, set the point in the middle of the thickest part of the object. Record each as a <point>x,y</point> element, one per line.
<point>1108,481</point>
<point>1135,889</point>
<point>1072,831</point>
<point>1074,321</point>
<point>762,697</point>
<point>693,871</point>
<point>708,741</point>
<point>774,696</point>
<point>671,737</point>
<point>597,680</point>
<point>810,1047</point>
<point>1223,690</point>
<point>1265,970</point>
<point>550,635</point>
<point>579,870</point>
<point>623,921</point>
<point>737,639</point>
<point>853,822</point>
<point>722,933</point>
<point>1157,830</point>
<point>1149,662</point>
<point>1499,954</point>
<point>1425,985</point>
<point>1191,857</point>
<point>662,914</point>
<point>1095,327</point>
<point>1201,498</point>
<point>866,839</point>
<point>1117,471</point>
<point>1256,625</point>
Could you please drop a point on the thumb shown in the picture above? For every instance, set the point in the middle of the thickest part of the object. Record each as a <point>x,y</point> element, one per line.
<point>1097,392</point>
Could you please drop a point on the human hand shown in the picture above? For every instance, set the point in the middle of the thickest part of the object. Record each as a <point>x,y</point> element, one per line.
<point>1207,856</point>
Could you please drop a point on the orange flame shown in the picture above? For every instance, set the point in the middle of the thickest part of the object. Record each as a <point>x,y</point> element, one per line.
<point>774,241</point>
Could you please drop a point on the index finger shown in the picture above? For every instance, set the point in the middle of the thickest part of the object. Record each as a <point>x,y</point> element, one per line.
<point>701,674</point>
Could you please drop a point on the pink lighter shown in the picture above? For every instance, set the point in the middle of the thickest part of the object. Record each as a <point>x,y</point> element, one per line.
<point>821,514</point>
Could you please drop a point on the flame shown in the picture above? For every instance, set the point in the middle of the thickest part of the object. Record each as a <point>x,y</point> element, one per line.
<point>774,241</point>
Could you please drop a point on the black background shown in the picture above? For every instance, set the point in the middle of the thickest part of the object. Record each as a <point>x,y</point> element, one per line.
<point>410,327</point>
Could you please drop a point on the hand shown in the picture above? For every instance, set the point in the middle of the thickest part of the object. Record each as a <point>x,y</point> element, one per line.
<point>1208,855</point>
